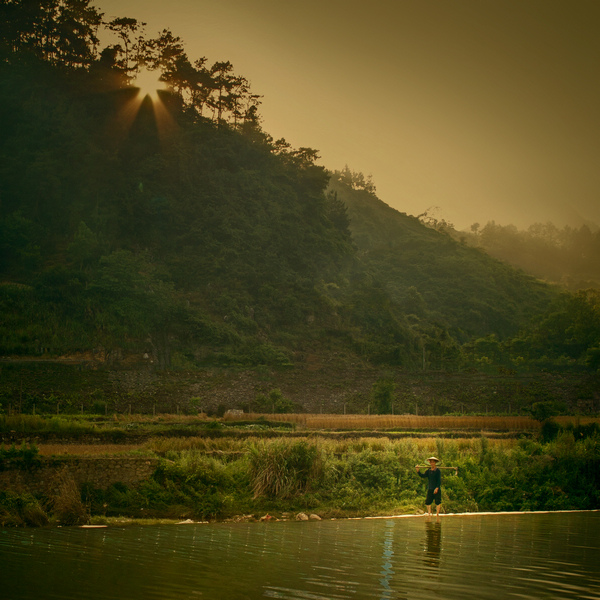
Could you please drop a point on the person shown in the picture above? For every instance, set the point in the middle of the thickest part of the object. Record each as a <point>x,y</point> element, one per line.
<point>434,484</point>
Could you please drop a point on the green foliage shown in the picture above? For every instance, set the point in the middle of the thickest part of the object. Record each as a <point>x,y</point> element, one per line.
<point>274,402</point>
<point>21,510</point>
<point>434,292</point>
<point>189,484</point>
<point>37,423</point>
<point>142,262</point>
<point>374,470</point>
<point>27,454</point>
<point>283,469</point>
<point>550,430</point>
<point>567,333</point>
<point>383,396</point>
<point>582,432</point>
<point>556,475</point>
<point>543,411</point>
<point>346,477</point>
<point>67,506</point>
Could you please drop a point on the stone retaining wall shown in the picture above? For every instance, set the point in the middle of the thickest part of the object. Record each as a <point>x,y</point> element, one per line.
<point>42,476</point>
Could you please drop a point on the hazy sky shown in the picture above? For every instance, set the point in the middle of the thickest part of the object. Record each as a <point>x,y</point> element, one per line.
<point>488,109</point>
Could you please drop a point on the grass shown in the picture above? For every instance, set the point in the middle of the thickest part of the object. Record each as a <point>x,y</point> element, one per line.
<point>67,505</point>
<point>38,423</point>
<point>219,478</point>
<point>284,468</point>
<point>119,425</point>
<point>219,445</point>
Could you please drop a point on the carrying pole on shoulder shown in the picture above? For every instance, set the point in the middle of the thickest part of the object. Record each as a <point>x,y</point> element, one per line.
<point>455,469</point>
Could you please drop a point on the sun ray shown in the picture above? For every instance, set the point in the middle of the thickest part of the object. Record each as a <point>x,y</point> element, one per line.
<point>148,97</point>
<point>148,83</point>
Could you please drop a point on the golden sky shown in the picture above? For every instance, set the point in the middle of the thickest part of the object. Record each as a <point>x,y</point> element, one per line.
<point>487,109</point>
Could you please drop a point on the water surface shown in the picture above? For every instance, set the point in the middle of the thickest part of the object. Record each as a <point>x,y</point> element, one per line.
<point>535,556</point>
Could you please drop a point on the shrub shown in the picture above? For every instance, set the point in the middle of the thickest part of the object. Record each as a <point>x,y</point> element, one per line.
<point>374,470</point>
<point>549,430</point>
<point>275,402</point>
<point>542,411</point>
<point>34,515</point>
<point>67,505</point>
<point>383,396</point>
<point>99,407</point>
<point>582,432</point>
<point>21,510</point>
<point>282,469</point>
<point>28,455</point>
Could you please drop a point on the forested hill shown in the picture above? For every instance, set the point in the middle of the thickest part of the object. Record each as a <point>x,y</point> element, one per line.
<point>177,231</point>
<point>115,240</point>
<point>434,278</point>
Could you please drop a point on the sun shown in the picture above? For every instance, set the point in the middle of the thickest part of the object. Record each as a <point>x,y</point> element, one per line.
<point>146,98</point>
<point>148,83</point>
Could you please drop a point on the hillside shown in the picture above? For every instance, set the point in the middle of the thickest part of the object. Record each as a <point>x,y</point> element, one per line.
<point>434,277</point>
<point>177,234</point>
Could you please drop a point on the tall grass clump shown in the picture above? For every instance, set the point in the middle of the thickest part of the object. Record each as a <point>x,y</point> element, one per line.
<point>283,468</point>
<point>22,423</point>
<point>67,506</point>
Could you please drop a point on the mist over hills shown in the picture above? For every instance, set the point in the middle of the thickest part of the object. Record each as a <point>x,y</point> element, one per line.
<point>432,276</point>
<point>569,256</point>
<point>197,240</point>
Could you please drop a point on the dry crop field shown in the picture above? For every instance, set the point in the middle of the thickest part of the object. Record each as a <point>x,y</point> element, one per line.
<point>399,422</point>
<point>404,422</point>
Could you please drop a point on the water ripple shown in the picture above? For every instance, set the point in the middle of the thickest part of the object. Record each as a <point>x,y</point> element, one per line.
<point>532,557</point>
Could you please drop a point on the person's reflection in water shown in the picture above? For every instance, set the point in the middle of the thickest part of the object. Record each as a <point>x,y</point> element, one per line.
<point>433,549</point>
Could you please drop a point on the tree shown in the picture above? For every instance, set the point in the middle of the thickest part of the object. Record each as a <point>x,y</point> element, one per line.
<point>126,28</point>
<point>383,395</point>
<point>85,249</point>
<point>543,411</point>
<point>60,31</point>
<point>355,179</point>
<point>76,33</point>
<point>224,81</point>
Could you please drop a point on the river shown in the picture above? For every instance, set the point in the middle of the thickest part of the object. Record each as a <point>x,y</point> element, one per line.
<point>494,556</point>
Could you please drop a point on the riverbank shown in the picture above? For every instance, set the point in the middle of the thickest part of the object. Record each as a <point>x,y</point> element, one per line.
<point>124,521</point>
<point>216,479</point>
